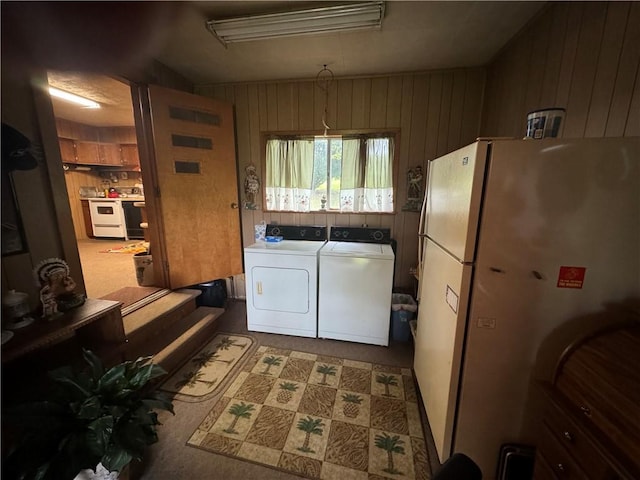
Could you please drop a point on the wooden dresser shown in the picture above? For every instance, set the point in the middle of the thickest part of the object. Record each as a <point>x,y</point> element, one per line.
<point>590,427</point>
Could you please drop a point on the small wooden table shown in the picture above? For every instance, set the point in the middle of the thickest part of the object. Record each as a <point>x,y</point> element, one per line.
<point>97,324</point>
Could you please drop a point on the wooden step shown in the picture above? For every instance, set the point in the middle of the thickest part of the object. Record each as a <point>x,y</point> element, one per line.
<point>145,301</point>
<point>150,328</point>
<point>203,321</point>
<point>145,317</point>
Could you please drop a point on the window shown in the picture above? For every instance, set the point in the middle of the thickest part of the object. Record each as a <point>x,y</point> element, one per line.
<point>349,173</point>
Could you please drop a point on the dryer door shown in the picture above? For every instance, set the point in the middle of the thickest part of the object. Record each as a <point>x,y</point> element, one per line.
<point>280,289</point>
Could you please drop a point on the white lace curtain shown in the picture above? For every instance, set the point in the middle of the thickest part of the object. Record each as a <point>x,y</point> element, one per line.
<point>289,174</point>
<point>366,183</point>
<point>367,176</point>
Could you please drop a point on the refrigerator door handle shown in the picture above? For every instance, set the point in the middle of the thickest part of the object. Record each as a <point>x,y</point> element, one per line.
<point>421,227</point>
<point>420,237</point>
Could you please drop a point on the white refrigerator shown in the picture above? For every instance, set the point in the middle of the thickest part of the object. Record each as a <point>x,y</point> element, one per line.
<point>518,237</point>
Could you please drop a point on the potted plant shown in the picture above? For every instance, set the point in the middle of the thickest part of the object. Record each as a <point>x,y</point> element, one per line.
<point>96,417</point>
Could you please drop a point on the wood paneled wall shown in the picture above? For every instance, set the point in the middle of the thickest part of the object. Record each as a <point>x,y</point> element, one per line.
<point>436,112</point>
<point>581,56</point>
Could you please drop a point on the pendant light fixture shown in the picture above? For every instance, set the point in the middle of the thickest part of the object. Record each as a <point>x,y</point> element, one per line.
<point>324,80</point>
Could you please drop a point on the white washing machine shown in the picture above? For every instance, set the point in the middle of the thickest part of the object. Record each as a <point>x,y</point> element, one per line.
<point>355,287</point>
<point>282,281</point>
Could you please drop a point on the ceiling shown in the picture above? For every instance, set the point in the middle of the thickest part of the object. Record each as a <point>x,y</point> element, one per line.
<point>415,36</point>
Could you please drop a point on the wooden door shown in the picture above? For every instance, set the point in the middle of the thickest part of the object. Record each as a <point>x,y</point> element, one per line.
<point>195,189</point>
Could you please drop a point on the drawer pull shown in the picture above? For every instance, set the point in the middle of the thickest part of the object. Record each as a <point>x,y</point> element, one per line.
<point>568,436</point>
<point>585,410</point>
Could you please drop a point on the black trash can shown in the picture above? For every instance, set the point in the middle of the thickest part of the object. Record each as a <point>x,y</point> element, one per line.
<point>214,294</point>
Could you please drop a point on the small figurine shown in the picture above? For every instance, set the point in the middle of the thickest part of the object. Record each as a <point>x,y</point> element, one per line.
<point>414,189</point>
<point>251,187</point>
<point>57,288</point>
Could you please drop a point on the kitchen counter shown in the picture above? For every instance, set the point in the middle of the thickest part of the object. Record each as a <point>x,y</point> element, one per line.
<point>128,198</point>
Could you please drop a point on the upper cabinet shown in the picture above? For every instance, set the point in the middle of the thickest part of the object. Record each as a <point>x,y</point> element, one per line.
<point>91,153</point>
<point>129,153</point>
<point>68,150</point>
<point>109,154</point>
<point>98,146</point>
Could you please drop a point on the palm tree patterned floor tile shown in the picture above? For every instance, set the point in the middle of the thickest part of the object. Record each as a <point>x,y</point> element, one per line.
<point>208,369</point>
<point>319,417</point>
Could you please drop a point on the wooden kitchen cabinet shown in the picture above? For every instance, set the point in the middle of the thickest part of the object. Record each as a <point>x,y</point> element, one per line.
<point>91,153</point>
<point>129,156</point>
<point>109,154</point>
<point>87,153</point>
<point>86,215</point>
<point>68,150</point>
<point>590,426</point>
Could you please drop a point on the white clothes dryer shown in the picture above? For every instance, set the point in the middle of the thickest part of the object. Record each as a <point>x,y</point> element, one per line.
<point>355,287</point>
<point>282,281</point>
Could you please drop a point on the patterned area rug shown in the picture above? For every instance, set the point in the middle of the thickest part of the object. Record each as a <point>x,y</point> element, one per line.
<point>319,417</point>
<point>209,369</point>
<point>132,248</point>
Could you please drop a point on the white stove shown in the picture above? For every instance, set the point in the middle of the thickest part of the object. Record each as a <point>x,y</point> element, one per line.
<point>107,218</point>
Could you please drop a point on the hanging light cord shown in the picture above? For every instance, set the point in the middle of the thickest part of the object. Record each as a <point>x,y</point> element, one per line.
<point>323,80</point>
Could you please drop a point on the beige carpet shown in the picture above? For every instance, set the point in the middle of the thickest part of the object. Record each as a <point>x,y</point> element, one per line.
<point>319,416</point>
<point>210,368</point>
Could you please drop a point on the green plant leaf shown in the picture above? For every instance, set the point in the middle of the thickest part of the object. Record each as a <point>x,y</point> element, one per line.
<point>116,459</point>
<point>97,369</point>
<point>135,437</point>
<point>66,377</point>
<point>99,434</point>
<point>92,415</point>
<point>113,379</point>
<point>141,377</point>
<point>159,400</point>
<point>90,408</point>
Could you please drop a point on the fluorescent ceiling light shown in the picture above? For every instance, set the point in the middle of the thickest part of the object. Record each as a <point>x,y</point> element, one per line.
<point>356,16</point>
<point>70,97</point>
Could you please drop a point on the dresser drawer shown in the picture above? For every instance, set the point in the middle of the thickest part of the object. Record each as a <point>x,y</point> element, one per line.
<point>574,441</point>
<point>562,464</point>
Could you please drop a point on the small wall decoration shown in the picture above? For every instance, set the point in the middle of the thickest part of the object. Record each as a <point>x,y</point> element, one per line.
<point>251,187</point>
<point>57,293</point>
<point>414,189</point>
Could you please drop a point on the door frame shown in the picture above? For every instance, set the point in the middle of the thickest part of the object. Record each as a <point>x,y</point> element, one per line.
<point>53,160</point>
<point>147,155</point>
